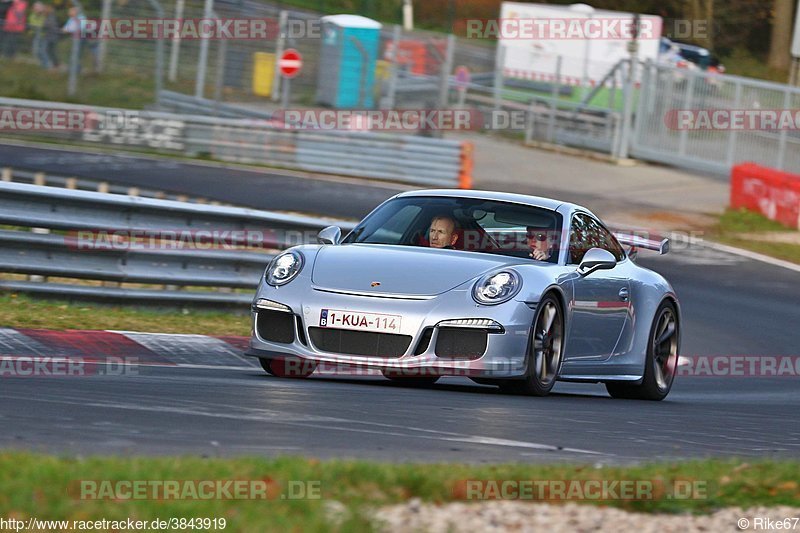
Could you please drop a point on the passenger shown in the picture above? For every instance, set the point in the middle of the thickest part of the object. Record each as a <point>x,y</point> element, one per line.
<point>538,243</point>
<point>443,232</point>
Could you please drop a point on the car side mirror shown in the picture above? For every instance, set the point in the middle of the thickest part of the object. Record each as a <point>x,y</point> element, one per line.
<point>330,235</point>
<point>596,259</point>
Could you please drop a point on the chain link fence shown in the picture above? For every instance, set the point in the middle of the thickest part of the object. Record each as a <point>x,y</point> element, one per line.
<point>626,112</point>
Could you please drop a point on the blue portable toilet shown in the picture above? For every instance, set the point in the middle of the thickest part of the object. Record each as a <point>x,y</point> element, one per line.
<point>347,61</point>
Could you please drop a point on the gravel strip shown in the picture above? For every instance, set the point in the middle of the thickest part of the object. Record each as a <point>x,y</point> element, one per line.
<point>568,518</point>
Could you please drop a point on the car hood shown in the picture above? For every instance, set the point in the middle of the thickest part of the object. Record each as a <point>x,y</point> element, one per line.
<point>403,270</point>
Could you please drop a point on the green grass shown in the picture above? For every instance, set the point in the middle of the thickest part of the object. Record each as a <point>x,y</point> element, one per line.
<point>47,487</point>
<point>744,221</point>
<point>112,89</point>
<point>743,63</point>
<point>733,223</point>
<point>17,311</point>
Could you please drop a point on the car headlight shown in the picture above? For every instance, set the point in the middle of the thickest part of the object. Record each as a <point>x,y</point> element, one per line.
<point>497,287</point>
<point>284,268</point>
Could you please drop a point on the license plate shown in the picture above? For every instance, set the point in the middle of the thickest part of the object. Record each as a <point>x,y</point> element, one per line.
<point>337,318</point>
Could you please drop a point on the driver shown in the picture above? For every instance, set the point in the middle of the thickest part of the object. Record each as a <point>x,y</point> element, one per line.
<point>538,243</point>
<point>443,232</point>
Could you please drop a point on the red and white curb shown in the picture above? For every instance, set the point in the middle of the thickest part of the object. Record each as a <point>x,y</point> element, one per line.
<point>125,348</point>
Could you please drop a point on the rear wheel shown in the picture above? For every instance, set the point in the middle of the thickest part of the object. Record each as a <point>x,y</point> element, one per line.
<point>288,367</point>
<point>661,360</point>
<point>544,351</point>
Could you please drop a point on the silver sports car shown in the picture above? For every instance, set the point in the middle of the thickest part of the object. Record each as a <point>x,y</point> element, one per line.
<point>509,290</point>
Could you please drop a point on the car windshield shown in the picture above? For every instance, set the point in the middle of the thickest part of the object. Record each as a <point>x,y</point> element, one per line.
<point>475,225</point>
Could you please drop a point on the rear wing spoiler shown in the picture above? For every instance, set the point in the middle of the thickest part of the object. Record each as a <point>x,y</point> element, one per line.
<point>638,241</point>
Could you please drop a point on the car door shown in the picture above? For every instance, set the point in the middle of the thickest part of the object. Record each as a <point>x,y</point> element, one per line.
<point>600,300</point>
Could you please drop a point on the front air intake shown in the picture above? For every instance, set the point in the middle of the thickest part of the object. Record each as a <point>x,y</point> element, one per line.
<point>275,326</point>
<point>461,343</point>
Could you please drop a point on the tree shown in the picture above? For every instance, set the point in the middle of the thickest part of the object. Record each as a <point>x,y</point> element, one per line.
<point>781,40</point>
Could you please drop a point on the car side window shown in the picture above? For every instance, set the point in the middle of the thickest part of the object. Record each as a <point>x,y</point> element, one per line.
<point>586,233</point>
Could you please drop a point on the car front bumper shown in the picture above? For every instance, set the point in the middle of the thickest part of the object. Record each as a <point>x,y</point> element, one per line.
<point>503,357</point>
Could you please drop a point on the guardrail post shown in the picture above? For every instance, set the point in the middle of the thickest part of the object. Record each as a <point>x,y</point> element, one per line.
<point>71,183</point>
<point>102,187</point>
<point>465,174</point>
<point>6,174</point>
<point>39,179</point>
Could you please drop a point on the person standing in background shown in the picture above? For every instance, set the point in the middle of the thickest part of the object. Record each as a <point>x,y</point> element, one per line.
<point>35,22</point>
<point>14,27</point>
<point>50,34</point>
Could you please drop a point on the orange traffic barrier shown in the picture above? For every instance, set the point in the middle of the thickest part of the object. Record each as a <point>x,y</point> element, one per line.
<point>773,193</point>
<point>465,175</point>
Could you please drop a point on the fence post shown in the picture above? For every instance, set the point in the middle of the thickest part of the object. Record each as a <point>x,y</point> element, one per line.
<point>176,43</point>
<point>447,68</point>
<point>787,101</point>
<point>530,123</point>
<point>202,60</point>
<point>391,91</point>
<point>283,19</point>
<point>74,63</point>
<point>159,81</point>
<point>684,136</point>
<point>731,154</point>
<point>219,81</point>
<point>551,125</point>
<point>627,109</point>
<point>103,45</point>
<point>497,90</point>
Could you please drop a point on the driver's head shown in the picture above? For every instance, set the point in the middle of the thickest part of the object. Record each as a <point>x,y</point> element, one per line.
<point>442,232</point>
<point>541,239</point>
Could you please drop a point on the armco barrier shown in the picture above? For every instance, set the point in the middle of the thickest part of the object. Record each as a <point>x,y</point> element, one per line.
<point>405,158</point>
<point>56,248</point>
<point>773,193</point>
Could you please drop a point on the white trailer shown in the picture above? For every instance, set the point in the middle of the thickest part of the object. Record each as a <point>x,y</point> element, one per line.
<point>589,41</point>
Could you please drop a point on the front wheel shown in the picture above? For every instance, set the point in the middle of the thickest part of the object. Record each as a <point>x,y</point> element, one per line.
<point>661,360</point>
<point>544,351</point>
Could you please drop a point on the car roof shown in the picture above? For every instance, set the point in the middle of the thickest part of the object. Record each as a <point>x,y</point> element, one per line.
<point>535,201</point>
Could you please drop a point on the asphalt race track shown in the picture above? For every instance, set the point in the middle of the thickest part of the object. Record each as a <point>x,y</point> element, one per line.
<point>280,190</point>
<point>731,306</point>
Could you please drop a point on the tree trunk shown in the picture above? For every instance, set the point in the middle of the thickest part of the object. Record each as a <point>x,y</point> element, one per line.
<point>701,10</point>
<point>781,40</point>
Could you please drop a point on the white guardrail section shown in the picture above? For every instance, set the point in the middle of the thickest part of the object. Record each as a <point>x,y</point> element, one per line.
<point>397,157</point>
<point>62,233</point>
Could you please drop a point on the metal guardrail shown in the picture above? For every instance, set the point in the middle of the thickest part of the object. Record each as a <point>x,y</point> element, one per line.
<point>173,102</point>
<point>17,175</point>
<point>76,252</point>
<point>398,157</point>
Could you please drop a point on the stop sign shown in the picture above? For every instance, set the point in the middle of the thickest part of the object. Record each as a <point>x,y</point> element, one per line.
<point>290,63</point>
